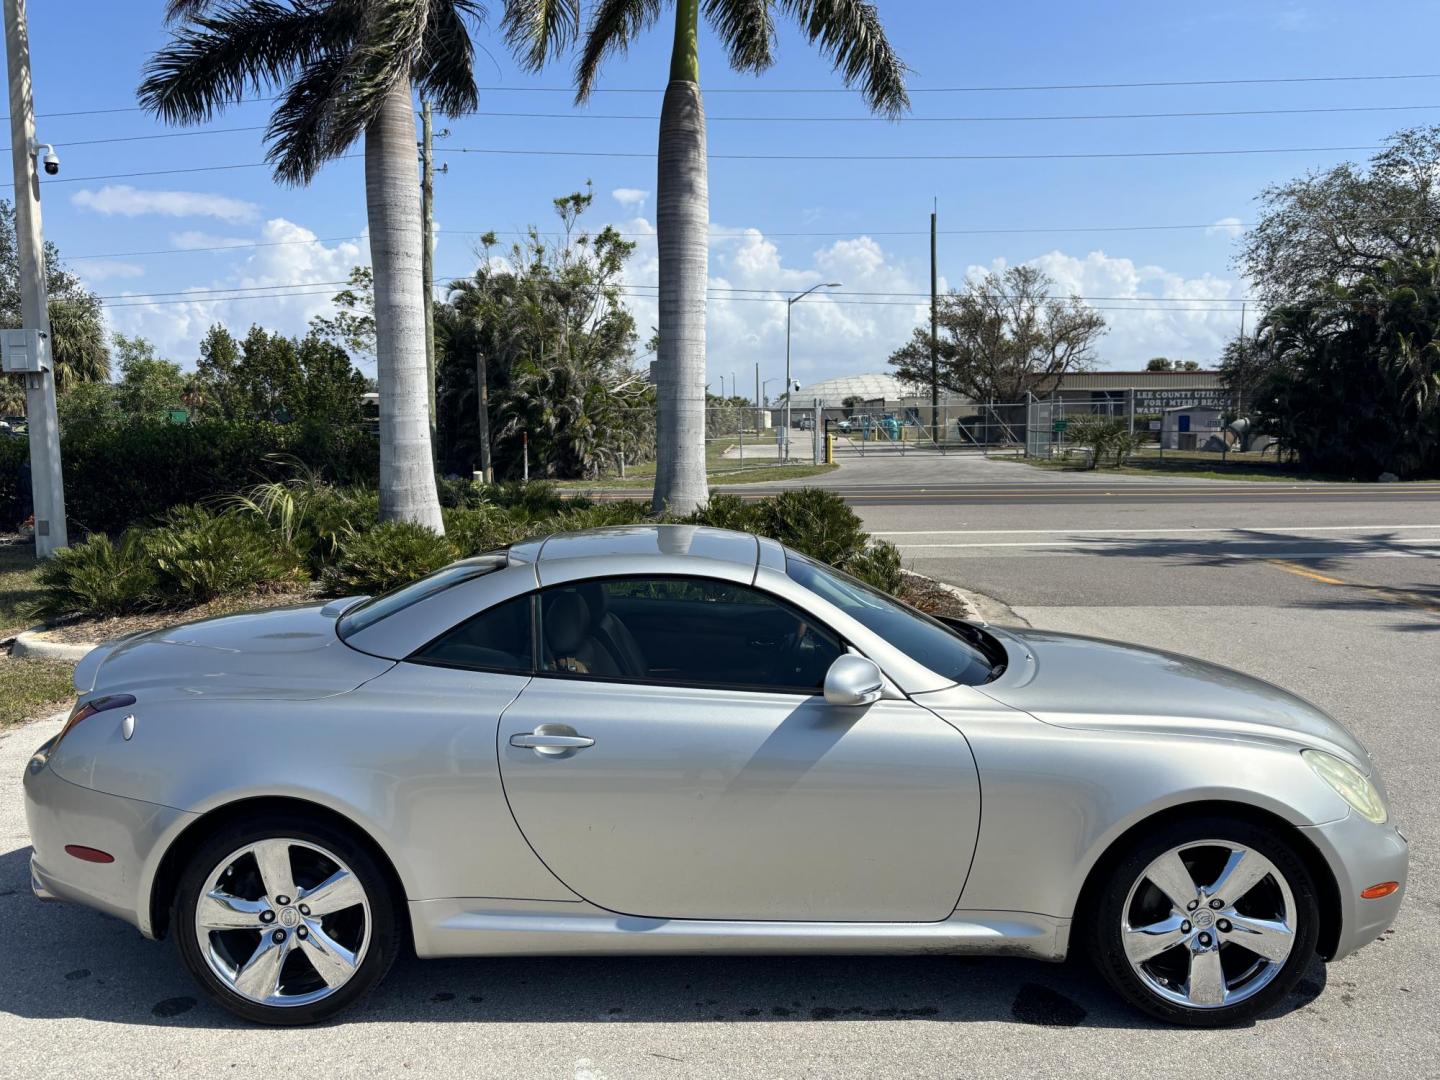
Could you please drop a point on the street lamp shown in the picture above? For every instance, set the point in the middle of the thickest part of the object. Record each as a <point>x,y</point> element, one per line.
<point>789,383</point>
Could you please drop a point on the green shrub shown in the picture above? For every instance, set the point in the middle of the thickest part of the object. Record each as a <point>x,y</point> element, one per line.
<point>582,514</point>
<point>814,522</point>
<point>537,499</point>
<point>97,577</point>
<point>14,453</point>
<point>121,474</point>
<point>391,554</point>
<point>878,566</point>
<point>726,512</point>
<point>1107,438</point>
<point>310,515</point>
<point>471,531</point>
<point>198,555</point>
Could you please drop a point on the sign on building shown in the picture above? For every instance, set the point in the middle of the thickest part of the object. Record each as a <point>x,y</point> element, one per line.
<point>1147,401</point>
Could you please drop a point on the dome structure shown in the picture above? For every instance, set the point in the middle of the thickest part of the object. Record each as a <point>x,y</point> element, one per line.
<point>871,386</point>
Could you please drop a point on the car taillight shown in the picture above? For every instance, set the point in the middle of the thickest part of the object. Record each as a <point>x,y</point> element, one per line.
<point>87,709</point>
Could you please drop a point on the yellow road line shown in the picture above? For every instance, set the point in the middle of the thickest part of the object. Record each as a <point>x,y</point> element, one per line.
<point>1300,571</point>
<point>1400,597</point>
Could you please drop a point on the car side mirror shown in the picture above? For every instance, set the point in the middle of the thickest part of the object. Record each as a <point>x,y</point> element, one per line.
<point>853,680</point>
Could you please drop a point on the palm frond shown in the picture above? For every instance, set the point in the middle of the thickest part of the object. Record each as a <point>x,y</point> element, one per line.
<point>388,47</point>
<point>850,34</point>
<point>747,29</point>
<point>218,58</point>
<point>446,72</point>
<point>180,10</point>
<point>539,30</point>
<point>614,25</point>
<point>304,125</point>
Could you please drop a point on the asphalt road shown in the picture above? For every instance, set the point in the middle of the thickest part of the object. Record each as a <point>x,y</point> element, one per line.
<point>1335,599</point>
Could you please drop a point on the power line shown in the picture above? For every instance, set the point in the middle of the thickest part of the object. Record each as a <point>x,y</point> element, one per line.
<point>1266,81</point>
<point>1089,155</point>
<point>168,172</point>
<point>719,237</point>
<point>772,118</point>
<point>163,135</point>
<point>979,89</point>
<point>760,295</point>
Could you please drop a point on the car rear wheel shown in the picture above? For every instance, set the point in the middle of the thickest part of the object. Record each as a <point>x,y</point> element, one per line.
<point>286,923</point>
<point>1206,923</point>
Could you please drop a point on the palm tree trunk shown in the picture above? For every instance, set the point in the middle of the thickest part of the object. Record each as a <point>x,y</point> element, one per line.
<point>482,414</point>
<point>392,197</point>
<point>683,223</point>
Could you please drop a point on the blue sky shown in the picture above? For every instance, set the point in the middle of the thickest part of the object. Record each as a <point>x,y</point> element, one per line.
<point>779,224</point>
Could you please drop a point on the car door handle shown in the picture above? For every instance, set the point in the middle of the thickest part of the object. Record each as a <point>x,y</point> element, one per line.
<point>552,740</point>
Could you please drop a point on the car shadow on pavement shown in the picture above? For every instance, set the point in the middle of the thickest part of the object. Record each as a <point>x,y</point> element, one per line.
<point>62,961</point>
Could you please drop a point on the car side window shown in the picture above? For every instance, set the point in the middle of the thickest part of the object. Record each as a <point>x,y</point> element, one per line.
<point>682,631</point>
<point>500,638</point>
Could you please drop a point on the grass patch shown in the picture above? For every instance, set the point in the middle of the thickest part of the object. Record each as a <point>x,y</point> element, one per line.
<point>19,587</point>
<point>30,689</point>
<point>1194,464</point>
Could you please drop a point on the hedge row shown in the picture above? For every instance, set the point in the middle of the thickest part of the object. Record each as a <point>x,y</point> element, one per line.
<point>281,535</point>
<point>120,474</point>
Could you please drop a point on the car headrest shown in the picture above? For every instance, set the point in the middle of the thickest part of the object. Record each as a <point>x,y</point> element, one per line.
<point>566,617</point>
<point>593,593</point>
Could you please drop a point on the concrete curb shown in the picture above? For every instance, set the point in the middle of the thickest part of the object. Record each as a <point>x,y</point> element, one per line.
<point>978,606</point>
<point>32,644</point>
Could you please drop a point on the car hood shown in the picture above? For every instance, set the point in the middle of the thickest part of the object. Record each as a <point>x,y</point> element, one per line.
<point>1074,681</point>
<point>280,653</point>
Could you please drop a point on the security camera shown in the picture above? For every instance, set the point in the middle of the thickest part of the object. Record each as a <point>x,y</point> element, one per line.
<point>50,160</point>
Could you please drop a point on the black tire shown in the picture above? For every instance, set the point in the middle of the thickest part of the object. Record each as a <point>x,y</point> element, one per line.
<point>386,926</point>
<point>1107,912</point>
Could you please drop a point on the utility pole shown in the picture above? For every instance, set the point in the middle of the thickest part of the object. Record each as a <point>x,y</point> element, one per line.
<point>47,483</point>
<point>934,331</point>
<point>427,251</point>
<point>759,405</point>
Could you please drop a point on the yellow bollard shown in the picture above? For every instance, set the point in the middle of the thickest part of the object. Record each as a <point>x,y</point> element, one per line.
<point>829,449</point>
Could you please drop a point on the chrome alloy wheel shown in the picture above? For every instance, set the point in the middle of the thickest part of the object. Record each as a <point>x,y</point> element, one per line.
<point>283,922</point>
<point>1208,924</point>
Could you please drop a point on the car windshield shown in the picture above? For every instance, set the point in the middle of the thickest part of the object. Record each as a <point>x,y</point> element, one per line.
<point>925,640</point>
<point>379,607</point>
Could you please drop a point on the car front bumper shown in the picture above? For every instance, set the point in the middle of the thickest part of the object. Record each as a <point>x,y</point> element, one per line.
<point>1361,854</point>
<point>134,833</point>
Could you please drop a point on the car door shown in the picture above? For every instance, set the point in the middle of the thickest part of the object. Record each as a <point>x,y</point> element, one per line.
<point>707,778</point>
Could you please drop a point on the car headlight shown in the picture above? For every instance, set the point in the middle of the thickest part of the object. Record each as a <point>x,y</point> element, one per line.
<point>1349,783</point>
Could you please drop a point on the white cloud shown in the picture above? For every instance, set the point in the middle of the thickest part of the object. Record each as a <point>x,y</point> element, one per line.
<point>132,202</point>
<point>293,258</point>
<point>195,240</point>
<point>104,269</point>
<point>1151,311</point>
<point>1227,226</point>
<point>630,198</point>
<point>836,334</point>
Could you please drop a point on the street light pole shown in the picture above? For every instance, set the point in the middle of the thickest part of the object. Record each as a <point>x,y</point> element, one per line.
<point>47,483</point>
<point>789,384</point>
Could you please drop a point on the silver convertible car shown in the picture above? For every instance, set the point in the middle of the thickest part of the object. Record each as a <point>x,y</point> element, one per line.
<point>674,739</point>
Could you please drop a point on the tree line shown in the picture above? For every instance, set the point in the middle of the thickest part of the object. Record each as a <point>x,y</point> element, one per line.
<point>1342,366</point>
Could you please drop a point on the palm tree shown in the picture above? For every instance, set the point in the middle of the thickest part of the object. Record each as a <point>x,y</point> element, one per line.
<point>344,69</point>
<point>847,31</point>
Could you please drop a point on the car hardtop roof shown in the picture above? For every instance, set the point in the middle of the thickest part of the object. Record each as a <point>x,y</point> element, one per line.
<point>678,542</point>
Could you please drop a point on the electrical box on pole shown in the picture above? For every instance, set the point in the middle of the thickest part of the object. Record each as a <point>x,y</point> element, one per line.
<point>24,352</point>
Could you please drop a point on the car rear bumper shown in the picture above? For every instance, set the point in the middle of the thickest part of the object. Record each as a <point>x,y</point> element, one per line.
<point>132,832</point>
<point>1361,854</point>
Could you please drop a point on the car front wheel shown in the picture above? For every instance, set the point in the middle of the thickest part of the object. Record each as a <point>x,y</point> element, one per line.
<point>286,923</point>
<point>1206,923</point>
